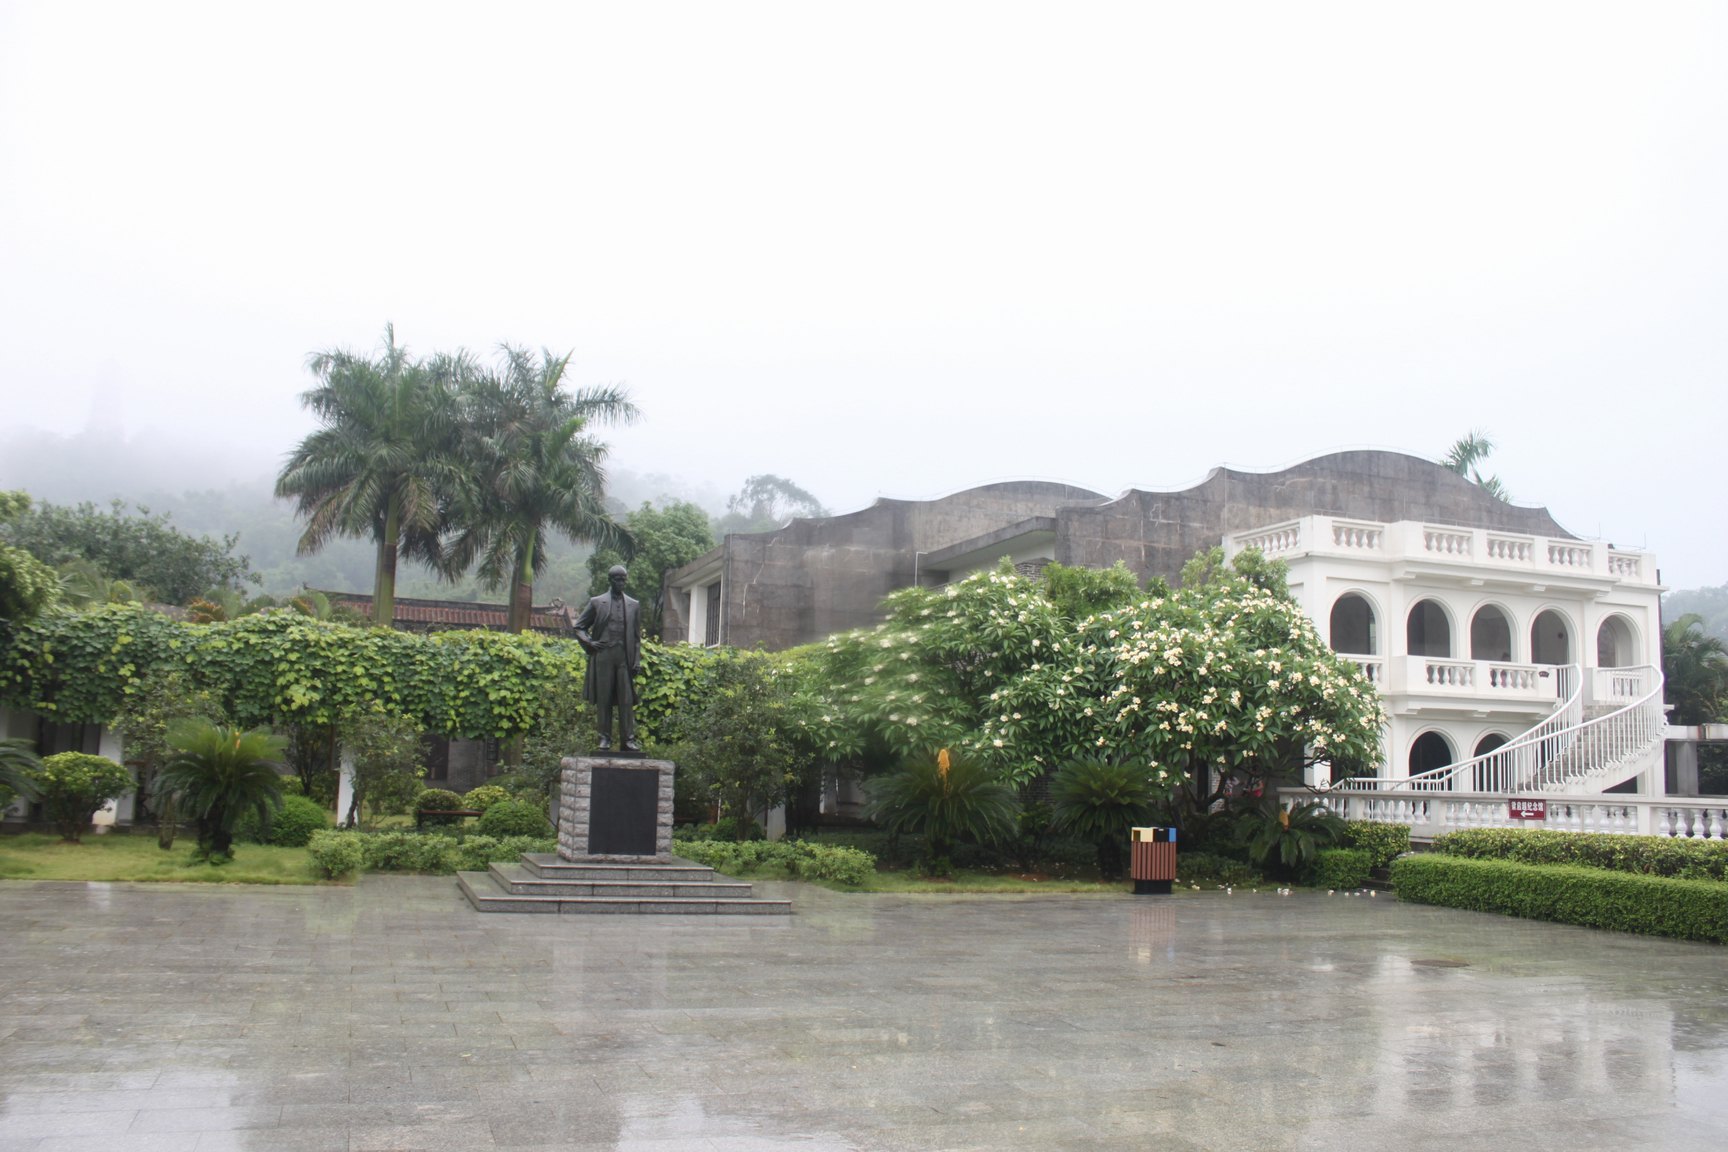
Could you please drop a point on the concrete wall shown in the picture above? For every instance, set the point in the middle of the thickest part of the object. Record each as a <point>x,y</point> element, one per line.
<point>816,577</point>
<point>1155,533</point>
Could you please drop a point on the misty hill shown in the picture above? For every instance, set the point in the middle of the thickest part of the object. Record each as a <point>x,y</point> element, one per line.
<point>206,492</point>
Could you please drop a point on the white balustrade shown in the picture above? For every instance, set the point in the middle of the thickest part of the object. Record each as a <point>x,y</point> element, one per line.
<point>1511,549</point>
<point>1627,566</point>
<point>1371,667</point>
<point>1679,818</point>
<point>1271,541</point>
<point>1446,542</point>
<point>1569,554</point>
<point>1515,677</point>
<point>1456,674</point>
<point>1364,537</point>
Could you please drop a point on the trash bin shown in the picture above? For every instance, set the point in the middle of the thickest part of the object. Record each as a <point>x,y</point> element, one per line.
<point>1152,861</point>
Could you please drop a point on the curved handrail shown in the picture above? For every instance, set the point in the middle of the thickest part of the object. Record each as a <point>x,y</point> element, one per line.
<point>1608,740</point>
<point>1500,769</point>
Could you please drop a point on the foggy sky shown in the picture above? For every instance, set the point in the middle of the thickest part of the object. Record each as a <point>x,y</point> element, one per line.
<point>901,249</point>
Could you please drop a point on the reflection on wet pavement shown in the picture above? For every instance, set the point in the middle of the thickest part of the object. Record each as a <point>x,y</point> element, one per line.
<point>392,1016</point>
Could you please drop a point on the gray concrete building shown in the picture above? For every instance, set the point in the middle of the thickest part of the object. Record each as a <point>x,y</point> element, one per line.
<point>812,578</point>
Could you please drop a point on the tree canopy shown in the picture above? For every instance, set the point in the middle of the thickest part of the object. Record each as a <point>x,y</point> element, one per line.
<point>663,539</point>
<point>764,503</point>
<point>146,551</point>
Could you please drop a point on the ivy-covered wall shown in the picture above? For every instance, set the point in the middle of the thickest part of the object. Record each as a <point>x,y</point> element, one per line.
<point>283,668</point>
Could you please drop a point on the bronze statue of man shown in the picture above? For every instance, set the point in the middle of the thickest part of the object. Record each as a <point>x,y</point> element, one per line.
<point>610,631</point>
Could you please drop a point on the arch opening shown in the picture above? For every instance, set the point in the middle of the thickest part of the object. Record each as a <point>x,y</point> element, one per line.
<point>1550,638</point>
<point>1353,626</point>
<point>1427,632</point>
<point>1490,635</point>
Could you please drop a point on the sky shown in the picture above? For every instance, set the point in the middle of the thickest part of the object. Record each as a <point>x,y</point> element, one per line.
<point>900,249</point>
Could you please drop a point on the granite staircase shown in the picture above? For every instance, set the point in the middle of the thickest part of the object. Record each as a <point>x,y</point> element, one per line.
<point>544,883</point>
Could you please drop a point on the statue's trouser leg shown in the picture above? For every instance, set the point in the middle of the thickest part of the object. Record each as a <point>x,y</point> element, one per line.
<point>605,690</point>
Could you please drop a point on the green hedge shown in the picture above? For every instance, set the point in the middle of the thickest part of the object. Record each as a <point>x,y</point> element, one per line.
<point>1384,843</point>
<point>798,858</point>
<point>1591,897</point>
<point>338,854</point>
<point>1644,855</point>
<point>1342,867</point>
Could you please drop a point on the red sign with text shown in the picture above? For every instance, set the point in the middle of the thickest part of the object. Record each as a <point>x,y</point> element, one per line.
<point>1527,809</point>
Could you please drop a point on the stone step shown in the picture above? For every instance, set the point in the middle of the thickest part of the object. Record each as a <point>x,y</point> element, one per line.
<point>549,866</point>
<point>519,881</point>
<point>484,892</point>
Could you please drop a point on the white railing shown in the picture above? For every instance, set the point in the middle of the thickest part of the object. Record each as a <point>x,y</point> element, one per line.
<point>1278,538</point>
<point>1608,749</point>
<point>1681,818</point>
<point>1449,545</point>
<point>1354,536</point>
<point>1501,769</point>
<point>1371,667</point>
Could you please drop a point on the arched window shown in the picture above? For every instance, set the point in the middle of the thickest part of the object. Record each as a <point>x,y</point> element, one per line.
<point>1429,751</point>
<point>1427,632</point>
<point>1614,644</point>
<point>1353,627</point>
<point>1550,639</point>
<point>1490,635</point>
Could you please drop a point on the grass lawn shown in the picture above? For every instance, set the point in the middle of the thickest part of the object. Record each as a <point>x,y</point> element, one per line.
<point>119,856</point>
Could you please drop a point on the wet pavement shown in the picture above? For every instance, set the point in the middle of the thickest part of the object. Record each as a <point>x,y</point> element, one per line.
<point>391,1015</point>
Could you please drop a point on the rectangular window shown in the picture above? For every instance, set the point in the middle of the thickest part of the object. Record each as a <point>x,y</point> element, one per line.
<point>712,636</point>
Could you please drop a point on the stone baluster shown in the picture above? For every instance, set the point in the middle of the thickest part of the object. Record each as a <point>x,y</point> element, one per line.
<point>1715,823</point>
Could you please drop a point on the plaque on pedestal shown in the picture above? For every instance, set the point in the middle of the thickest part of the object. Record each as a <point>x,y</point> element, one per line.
<point>615,808</point>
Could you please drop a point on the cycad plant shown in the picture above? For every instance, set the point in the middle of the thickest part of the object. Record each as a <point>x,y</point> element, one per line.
<point>1288,839</point>
<point>1100,801</point>
<point>17,760</point>
<point>945,799</point>
<point>216,773</point>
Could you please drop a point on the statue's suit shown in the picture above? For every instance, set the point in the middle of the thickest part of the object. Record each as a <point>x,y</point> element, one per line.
<point>612,662</point>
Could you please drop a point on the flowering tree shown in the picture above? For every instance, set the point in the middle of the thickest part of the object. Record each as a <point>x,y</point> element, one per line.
<point>1220,685</point>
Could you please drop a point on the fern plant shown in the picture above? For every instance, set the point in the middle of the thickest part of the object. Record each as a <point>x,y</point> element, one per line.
<point>216,773</point>
<point>944,799</point>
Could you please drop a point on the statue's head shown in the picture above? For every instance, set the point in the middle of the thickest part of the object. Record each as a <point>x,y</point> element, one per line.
<point>617,576</point>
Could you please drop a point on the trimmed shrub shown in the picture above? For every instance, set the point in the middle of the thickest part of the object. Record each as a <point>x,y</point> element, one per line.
<point>409,852</point>
<point>1591,897</point>
<point>475,852</point>
<point>73,785</point>
<point>797,858</point>
<point>724,829</point>
<point>438,800</point>
<point>1645,855</point>
<point>514,818</point>
<point>335,854</point>
<point>1384,843</point>
<point>292,825</point>
<point>1342,868</point>
<point>484,797</point>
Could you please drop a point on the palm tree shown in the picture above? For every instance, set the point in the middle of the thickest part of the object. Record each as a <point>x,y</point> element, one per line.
<point>216,773</point>
<point>17,758</point>
<point>1470,451</point>
<point>383,462</point>
<point>534,469</point>
<point>1695,670</point>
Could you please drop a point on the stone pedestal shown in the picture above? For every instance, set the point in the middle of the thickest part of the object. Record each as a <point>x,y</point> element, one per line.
<point>615,809</point>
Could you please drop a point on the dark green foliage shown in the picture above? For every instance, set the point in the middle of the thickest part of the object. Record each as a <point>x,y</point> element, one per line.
<point>408,852</point>
<point>1695,671</point>
<point>740,739</point>
<point>215,774</point>
<point>1383,842</point>
<point>1081,592</point>
<point>291,827</point>
<point>1208,867</point>
<point>386,754</point>
<point>1592,897</point>
<point>797,858</point>
<point>17,762</point>
<point>1287,839</point>
<point>726,828</point>
<point>73,785</point>
<point>438,800</point>
<point>513,818</point>
<point>945,799</point>
<point>141,549</point>
<point>1646,855</point>
<point>1340,868</point>
<point>664,539</point>
<point>1099,801</point>
<point>27,586</point>
<point>334,855</point>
